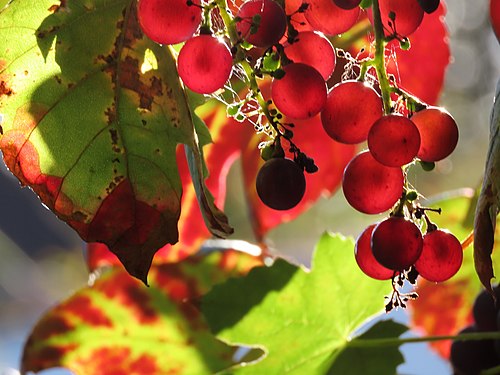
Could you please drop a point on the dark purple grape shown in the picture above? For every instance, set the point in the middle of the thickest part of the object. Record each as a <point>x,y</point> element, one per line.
<point>261,22</point>
<point>280,183</point>
<point>349,120</point>
<point>313,49</point>
<point>325,16</point>
<point>441,256</point>
<point>204,64</point>
<point>365,259</point>
<point>438,133</point>
<point>485,312</point>
<point>371,187</point>
<point>394,140</point>
<point>301,93</point>
<point>429,6</point>
<point>169,21</point>
<point>347,4</point>
<point>396,243</point>
<point>472,356</point>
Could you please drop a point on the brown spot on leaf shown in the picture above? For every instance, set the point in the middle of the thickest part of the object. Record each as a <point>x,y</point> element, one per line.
<point>82,307</point>
<point>5,89</point>
<point>38,358</point>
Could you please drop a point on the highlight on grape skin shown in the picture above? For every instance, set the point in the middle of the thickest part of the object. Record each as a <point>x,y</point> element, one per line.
<point>169,21</point>
<point>204,64</point>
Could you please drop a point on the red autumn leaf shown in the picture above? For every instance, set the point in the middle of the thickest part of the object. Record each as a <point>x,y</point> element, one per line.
<point>122,326</point>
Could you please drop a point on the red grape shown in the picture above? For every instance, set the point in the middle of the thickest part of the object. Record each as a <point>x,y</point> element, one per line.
<point>347,4</point>
<point>280,183</point>
<point>394,140</point>
<point>438,133</point>
<point>495,17</point>
<point>169,21</point>
<point>325,16</point>
<point>204,64</point>
<point>301,93</point>
<point>429,6</point>
<point>409,15</point>
<point>313,49</point>
<point>270,28</point>
<point>371,187</point>
<point>396,243</point>
<point>441,256</point>
<point>348,120</point>
<point>365,259</point>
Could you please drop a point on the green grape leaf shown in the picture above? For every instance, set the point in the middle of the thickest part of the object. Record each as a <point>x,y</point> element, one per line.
<point>377,359</point>
<point>302,319</point>
<point>92,115</point>
<point>118,325</point>
<point>488,203</point>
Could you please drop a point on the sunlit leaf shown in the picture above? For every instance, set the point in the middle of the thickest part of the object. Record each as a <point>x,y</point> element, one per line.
<point>301,319</point>
<point>118,324</point>
<point>89,132</point>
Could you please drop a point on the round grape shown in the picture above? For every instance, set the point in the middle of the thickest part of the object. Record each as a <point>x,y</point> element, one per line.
<point>347,4</point>
<point>325,16</point>
<point>408,15</point>
<point>472,356</point>
<point>349,120</point>
<point>438,133</point>
<point>204,64</point>
<point>301,93</point>
<point>280,183</point>
<point>261,22</point>
<point>365,259</point>
<point>396,243</point>
<point>371,187</point>
<point>485,312</point>
<point>169,21</point>
<point>441,256</point>
<point>394,140</point>
<point>312,48</point>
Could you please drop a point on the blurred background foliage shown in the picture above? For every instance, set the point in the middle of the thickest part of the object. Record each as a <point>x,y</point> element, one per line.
<point>42,260</point>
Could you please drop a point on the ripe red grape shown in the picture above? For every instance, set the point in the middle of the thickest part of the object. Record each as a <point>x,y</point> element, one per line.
<point>394,140</point>
<point>429,6</point>
<point>485,312</point>
<point>204,64</point>
<point>371,187</point>
<point>347,4</point>
<point>438,133</point>
<point>472,356</point>
<point>409,15</point>
<point>325,16</point>
<point>365,259</point>
<point>261,22</point>
<point>301,93</point>
<point>169,21</point>
<point>441,256</point>
<point>313,49</point>
<point>495,17</point>
<point>349,120</point>
<point>396,243</point>
<point>280,183</point>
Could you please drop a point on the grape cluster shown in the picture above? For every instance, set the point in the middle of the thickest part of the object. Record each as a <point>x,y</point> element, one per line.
<point>470,357</point>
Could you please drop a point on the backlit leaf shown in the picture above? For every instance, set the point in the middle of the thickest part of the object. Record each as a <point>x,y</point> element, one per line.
<point>302,319</point>
<point>119,325</point>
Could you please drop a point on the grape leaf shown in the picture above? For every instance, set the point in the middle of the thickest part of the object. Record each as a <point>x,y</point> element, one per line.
<point>303,320</point>
<point>92,128</point>
<point>488,202</point>
<point>122,326</point>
